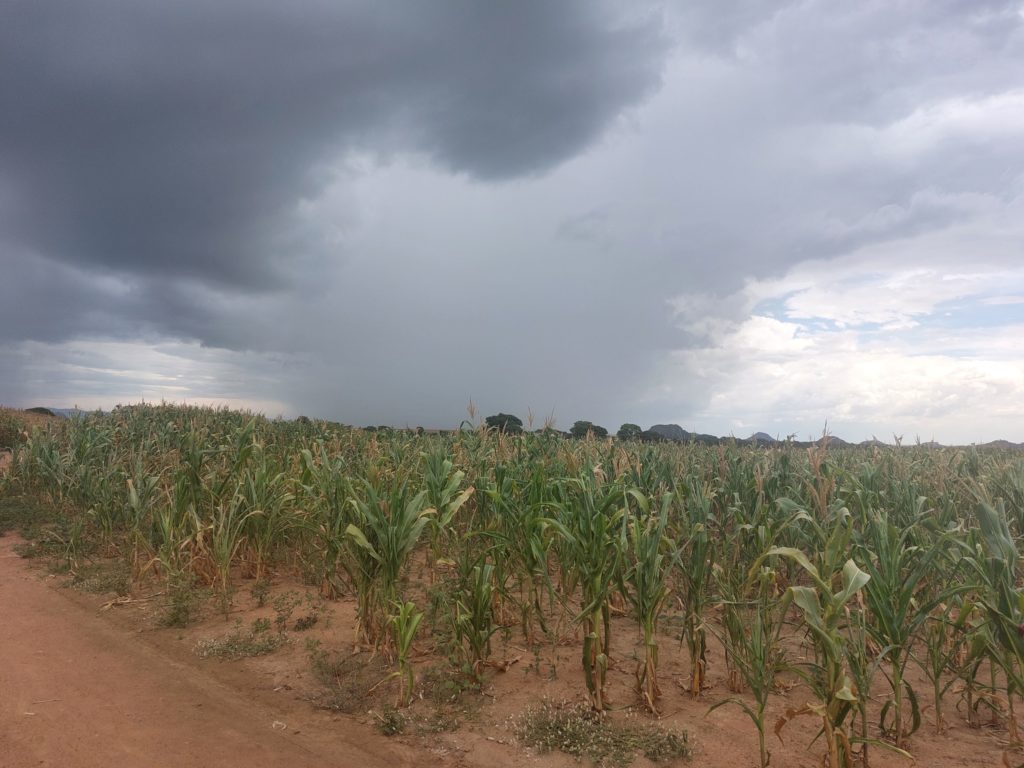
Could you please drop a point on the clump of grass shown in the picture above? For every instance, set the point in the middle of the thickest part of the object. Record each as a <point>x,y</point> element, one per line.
<point>440,721</point>
<point>242,643</point>
<point>102,578</point>
<point>443,686</point>
<point>390,721</point>
<point>183,600</point>
<point>347,679</point>
<point>284,604</point>
<point>315,607</point>
<point>260,590</point>
<point>25,515</point>
<point>578,730</point>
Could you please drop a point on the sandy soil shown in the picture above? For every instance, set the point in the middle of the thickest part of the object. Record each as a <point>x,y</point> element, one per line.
<point>78,692</point>
<point>84,687</point>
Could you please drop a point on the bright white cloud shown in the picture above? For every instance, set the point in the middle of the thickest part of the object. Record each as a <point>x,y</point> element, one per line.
<point>867,351</point>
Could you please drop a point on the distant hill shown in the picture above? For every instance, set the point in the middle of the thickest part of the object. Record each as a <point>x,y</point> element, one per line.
<point>680,435</point>
<point>1003,444</point>
<point>672,432</point>
<point>41,411</point>
<point>874,442</point>
<point>833,442</point>
<point>64,413</point>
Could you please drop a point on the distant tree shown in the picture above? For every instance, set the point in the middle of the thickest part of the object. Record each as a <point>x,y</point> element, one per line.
<point>504,422</point>
<point>649,436</point>
<point>629,432</point>
<point>581,428</point>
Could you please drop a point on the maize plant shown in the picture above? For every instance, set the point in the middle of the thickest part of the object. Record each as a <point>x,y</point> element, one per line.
<point>443,495</point>
<point>474,622</point>
<point>697,559</point>
<point>523,536</point>
<point>753,621</point>
<point>900,596</point>
<point>265,496</point>
<point>382,536</point>
<point>225,535</point>
<point>996,567</point>
<point>590,524</point>
<point>404,624</point>
<point>650,560</point>
<point>947,632</point>
<point>824,616</point>
<point>326,487</point>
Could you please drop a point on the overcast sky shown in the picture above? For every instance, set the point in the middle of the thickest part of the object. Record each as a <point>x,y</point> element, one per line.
<point>732,215</point>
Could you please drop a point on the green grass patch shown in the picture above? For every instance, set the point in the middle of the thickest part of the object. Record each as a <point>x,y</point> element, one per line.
<point>25,515</point>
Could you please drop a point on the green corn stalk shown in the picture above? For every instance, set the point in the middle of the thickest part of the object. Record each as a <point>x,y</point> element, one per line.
<point>474,622</point>
<point>443,494</point>
<point>900,598</point>
<point>697,559</point>
<point>590,525</point>
<point>381,538</point>
<point>996,568</point>
<point>523,538</point>
<point>646,583</point>
<point>404,624</point>
<point>226,536</point>
<point>325,487</point>
<point>265,497</point>
<point>946,634</point>
<point>753,621</point>
<point>824,617</point>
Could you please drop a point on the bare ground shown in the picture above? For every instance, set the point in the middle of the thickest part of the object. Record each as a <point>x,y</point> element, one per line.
<point>78,692</point>
<point>83,687</point>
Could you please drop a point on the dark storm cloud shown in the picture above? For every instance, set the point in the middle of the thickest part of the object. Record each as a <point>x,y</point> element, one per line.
<point>374,212</point>
<point>173,140</point>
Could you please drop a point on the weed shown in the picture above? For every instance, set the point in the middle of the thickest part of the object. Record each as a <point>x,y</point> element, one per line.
<point>441,687</point>
<point>260,591</point>
<point>240,643</point>
<point>440,721</point>
<point>581,732</point>
<point>24,515</point>
<point>347,679</point>
<point>183,600</point>
<point>316,606</point>
<point>390,721</point>
<point>284,604</point>
<point>102,578</point>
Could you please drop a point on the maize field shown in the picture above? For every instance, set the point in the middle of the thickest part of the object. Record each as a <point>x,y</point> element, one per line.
<point>851,573</point>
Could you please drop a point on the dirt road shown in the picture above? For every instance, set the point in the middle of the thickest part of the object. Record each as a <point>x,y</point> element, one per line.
<point>76,692</point>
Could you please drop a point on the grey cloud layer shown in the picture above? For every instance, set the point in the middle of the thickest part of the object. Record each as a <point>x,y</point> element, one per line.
<point>174,139</point>
<point>427,202</point>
